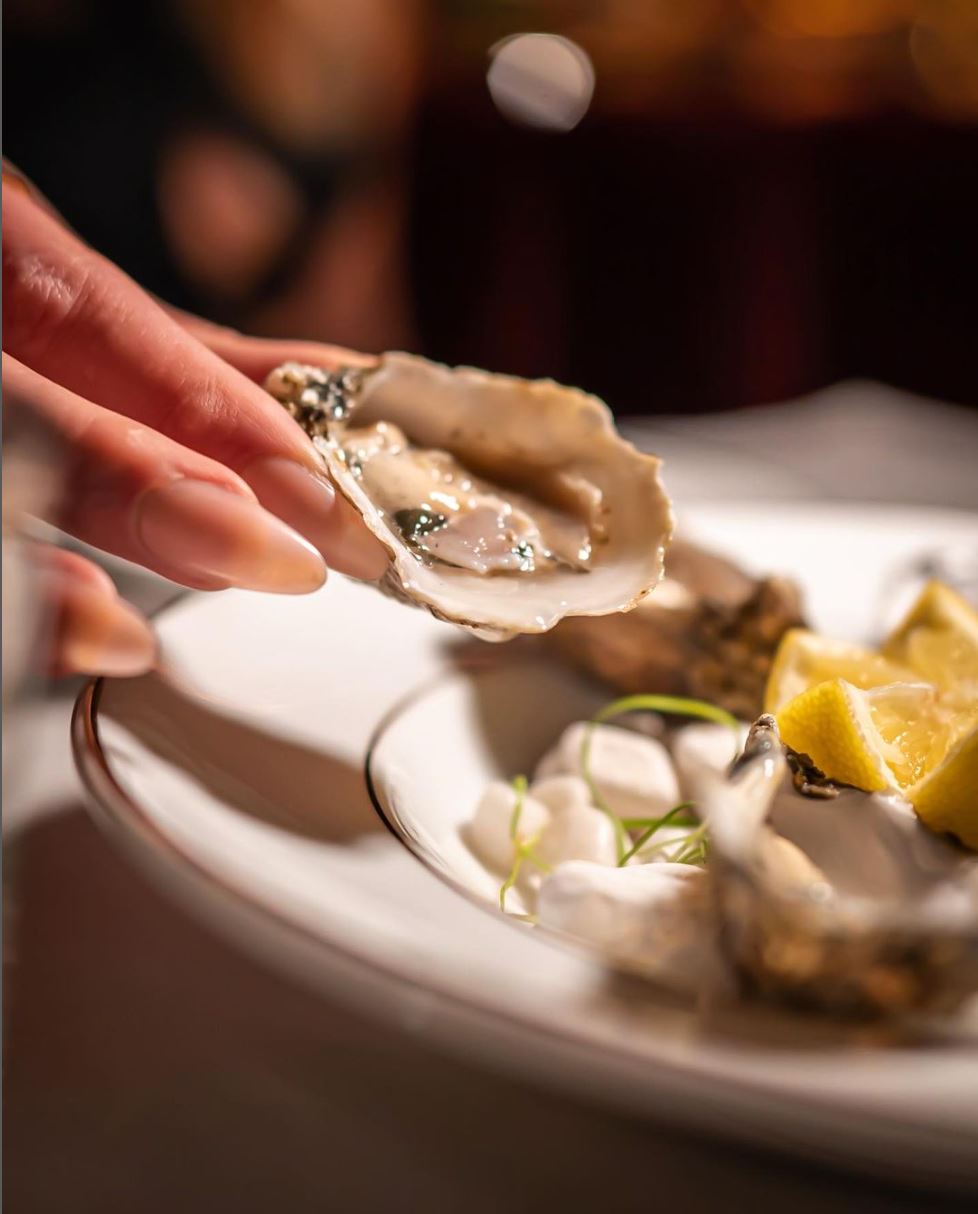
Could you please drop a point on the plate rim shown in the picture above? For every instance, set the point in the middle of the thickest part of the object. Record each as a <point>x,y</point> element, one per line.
<point>705,1103</point>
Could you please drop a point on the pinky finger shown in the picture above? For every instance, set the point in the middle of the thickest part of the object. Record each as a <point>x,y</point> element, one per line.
<point>93,630</point>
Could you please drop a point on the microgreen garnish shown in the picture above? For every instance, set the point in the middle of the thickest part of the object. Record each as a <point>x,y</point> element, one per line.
<point>674,705</point>
<point>641,823</point>
<point>510,881</point>
<point>669,819</point>
<point>523,851</point>
<point>678,706</point>
<point>691,850</point>
<point>694,849</point>
<point>523,848</point>
<point>519,787</point>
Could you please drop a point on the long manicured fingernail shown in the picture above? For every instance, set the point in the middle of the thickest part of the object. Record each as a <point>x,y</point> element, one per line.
<point>310,504</point>
<point>101,635</point>
<point>209,530</point>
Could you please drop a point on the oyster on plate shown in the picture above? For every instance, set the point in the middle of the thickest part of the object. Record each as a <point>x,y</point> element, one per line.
<point>832,897</point>
<point>710,632</point>
<point>505,504</point>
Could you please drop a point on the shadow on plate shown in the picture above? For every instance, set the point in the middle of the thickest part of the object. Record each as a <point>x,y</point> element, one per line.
<point>523,698</point>
<point>288,785</point>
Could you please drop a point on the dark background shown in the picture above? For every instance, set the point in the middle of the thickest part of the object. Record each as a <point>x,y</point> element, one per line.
<point>746,213</point>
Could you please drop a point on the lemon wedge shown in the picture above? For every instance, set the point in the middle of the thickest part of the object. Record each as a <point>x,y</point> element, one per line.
<point>915,727</point>
<point>947,797</point>
<point>939,641</point>
<point>804,658</point>
<point>888,737</point>
<point>899,738</point>
<point>832,723</point>
<point>904,718</point>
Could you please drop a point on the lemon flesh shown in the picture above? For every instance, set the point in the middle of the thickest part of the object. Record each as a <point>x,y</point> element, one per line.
<point>899,738</point>
<point>804,659</point>
<point>938,640</point>
<point>903,718</point>
<point>947,798</point>
<point>832,723</point>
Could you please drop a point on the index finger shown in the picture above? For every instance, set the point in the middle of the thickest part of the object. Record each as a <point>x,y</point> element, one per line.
<point>74,317</point>
<point>257,356</point>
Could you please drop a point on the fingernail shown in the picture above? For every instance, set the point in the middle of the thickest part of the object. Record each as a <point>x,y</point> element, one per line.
<point>212,531</point>
<point>311,505</point>
<point>105,636</point>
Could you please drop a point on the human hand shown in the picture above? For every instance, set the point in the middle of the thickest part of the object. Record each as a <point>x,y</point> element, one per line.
<point>175,457</point>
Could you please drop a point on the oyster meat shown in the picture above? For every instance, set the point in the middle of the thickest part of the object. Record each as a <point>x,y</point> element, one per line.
<point>710,632</point>
<point>505,504</point>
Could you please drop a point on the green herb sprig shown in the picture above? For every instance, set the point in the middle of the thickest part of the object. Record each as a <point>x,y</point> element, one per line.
<point>692,850</point>
<point>520,785</point>
<point>522,849</point>
<point>672,818</point>
<point>674,705</point>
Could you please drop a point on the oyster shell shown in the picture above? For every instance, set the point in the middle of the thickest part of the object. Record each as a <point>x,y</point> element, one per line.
<point>710,632</point>
<point>505,504</point>
<point>841,899</point>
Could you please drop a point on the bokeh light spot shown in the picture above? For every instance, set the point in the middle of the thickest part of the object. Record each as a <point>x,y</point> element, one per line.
<point>541,80</point>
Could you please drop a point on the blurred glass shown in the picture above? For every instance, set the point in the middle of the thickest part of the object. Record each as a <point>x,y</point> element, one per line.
<point>31,470</point>
<point>32,465</point>
<point>956,566</point>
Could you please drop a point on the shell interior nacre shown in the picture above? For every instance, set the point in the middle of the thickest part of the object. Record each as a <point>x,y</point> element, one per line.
<point>505,504</point>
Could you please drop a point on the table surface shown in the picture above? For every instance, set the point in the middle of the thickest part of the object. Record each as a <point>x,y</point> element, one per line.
<point>149,1067</point>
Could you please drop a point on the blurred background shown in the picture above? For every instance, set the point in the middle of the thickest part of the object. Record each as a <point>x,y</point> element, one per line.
<point>686,206</point>
<point>683,205</point>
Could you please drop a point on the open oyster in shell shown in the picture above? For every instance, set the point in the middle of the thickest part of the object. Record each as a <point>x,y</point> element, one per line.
<point>832,897</point>
<point>505,504</point>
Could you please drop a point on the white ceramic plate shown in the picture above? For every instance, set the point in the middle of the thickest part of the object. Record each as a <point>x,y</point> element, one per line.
<point>238,780</point>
